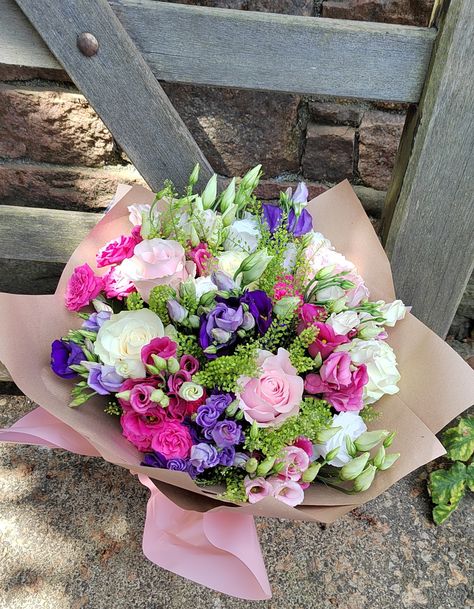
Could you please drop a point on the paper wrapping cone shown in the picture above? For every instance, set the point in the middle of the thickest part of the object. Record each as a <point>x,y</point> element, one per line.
<point>436,384</point>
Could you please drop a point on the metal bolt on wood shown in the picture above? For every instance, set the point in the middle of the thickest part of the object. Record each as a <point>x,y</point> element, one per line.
<point>88,44</point>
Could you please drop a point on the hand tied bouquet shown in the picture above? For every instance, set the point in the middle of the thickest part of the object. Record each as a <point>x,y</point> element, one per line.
<point>235,344</point>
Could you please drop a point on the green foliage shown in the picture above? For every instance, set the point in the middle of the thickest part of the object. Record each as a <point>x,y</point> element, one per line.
<point>314,415</point>
<point>448,486</point>
<point>298,355</point>
<point>230,477</point>
<point>159,296</point>
<point>459,440</point>
<point>188,344</point>
<point>113,408</point>
<point>369,413</point>
<point>223,373</point>
<point>134,302</point>
<point>275,245</point>
<point>279,334</point>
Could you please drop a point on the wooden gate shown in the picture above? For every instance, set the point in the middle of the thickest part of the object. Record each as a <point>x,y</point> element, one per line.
<point>115,51</point>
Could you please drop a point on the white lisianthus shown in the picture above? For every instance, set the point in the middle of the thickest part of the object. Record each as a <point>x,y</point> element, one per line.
<point>352,425</point>
<point>208,225</point>
<point>243,234</point>
<point>393,312</point>
<point>289,258</point>
<point>330,293</point>
<point>135,213</point>
<point>203,286</point>
<point>120,340</point>
<point>229,262</point>
<point>381,364</point>
<point>344,322</point>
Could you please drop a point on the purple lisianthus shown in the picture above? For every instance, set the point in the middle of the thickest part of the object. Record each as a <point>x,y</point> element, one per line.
<point>240,459</point>
<point>227,433</point>
<point>260,306</point>
<point>218,328</point>
<point>272,214</point>
<point>211,410</point>
<point>95,321</point>
<point>177,465</point>
<point>103,379</point>
<point>64,355</point>
<point>300,225</point>
<point>203,456</point>
<point>154,459</point>
<point>226,456</point>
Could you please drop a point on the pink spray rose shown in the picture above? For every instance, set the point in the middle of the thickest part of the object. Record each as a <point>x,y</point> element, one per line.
<point>201,256</point>
<point>288,491</point>
<point>83,286</point>
<point>116,251</point>
<point>156,262</point>
<point>162,347</point>
<point>276,394</point>
<point>172,440</point>
<point>139,430</point>
<point>116,285</point>
<point>296,461</point>
<point>257,489</point>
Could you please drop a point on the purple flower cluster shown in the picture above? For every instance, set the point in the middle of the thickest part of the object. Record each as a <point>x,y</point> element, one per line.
<point>63,355</point>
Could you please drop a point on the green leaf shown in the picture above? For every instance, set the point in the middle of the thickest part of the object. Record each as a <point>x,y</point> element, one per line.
<point>459,440</point>
<point>470,477</point>
<point>442,512</point>
<point>447,485</point>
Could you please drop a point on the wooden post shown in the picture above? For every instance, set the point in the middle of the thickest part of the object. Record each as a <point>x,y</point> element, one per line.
<point>108,68</point>
<point>429,217</point>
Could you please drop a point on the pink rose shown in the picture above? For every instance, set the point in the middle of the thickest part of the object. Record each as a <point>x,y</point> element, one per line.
<point>139,430</point>
<point>172,440</point>
<point>156,262</point>
<point>116,285</point>
<point>310,313</point>
<point>296,461</point>
<point>162,347</point>
<point>201,255</point>
<point>83,286</point>
<point>116,251</point>
<point>336,371</point>
<point>257,489</point>
<point>349,398</point>
<point>288,491</point>
<point>276,394</point>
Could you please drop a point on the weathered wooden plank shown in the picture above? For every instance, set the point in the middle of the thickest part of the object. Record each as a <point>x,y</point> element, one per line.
<point>430,205</point>
<point>121,87</point>
<point>42,235</point>
<point>193,44</point>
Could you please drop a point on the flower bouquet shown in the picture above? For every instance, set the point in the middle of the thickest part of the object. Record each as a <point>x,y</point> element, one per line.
<point>229,351</point>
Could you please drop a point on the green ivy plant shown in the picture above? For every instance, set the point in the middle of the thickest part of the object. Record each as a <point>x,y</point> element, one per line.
<point>448,486</point>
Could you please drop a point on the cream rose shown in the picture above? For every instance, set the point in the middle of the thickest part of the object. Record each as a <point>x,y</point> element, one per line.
<point>156,262</point>
<point>120,340</point>
<point>381,364</point>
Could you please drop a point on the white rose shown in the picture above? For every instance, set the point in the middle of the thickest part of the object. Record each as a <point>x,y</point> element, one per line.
<point>120,340</point>
<point>243,235</point>
<point>393,312</point>
<point>381,364</point>
<point>343,323</point>
<point>203,286</point>
<point>230,261</point>
<point>353,426</point>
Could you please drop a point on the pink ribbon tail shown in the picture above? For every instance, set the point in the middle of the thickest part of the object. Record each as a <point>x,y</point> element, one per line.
<point>41,428</point>
<point>219,549</point>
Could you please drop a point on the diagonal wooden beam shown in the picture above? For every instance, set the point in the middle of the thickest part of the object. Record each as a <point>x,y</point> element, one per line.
<point>120,86</point>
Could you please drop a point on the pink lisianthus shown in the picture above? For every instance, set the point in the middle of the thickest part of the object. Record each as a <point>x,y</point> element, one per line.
<point>156,262</point>
<point>176,380</point>
<point>177,408</point>
<point>358,293</point>
<point>310,313</point>
<point>306,445</point>
<point>349,398</point>
<point>139,429</point>
<point>140,398</point>
<point>116,251</point>
<point>162,347</point>
<point>116,285</point>
<point>130,384</point>
<point>336,371</point>
<point>172,440</point>
<point>295,460</point>
<point>287,491</point>
<point>201,257</point>
<point>326,340</point>
<point>83,286</point>
<point>189,364</point>
<point>257,489</point>
<point>276,394</point>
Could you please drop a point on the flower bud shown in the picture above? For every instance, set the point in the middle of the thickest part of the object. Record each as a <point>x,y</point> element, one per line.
<point>173,365</point>
<point>165,401</point>
<point>251,178</point>
<point>365,479</point>
<point>123,395</point>
<point>286,306</point>
<point>253,267</point>
<point>209,194</point>
<point>310,474</point>
<point>194,321</point>
<point>232,408</point>
<point>157,395</point>
<point>221,336</point>
<point>350,447</point>
<point>370,439</point>
<point>176,311</point>
<point>336,306</point>
<point>379,457</point>
<point>332,454</point>
<point>325,272</point>
<point>326,434</point>
<point>193,178</point>
<point>159,362</point>
<point>227,197</point>
<point>211,349</point>
<point>368,331</point>
<point>254,431</point>
<point>146,227</point>
<point>193,235</point>
<point>229,216</point>
<point>152,370</point>
<point>188,289</point>
<point>190,392</point>
<point>279,467</point>
<point>389,439</point>
<point>223,281</point>
<point>265,466</point>
<point>249,322</point>
<point>101,306</point>
<point>318,360</point>
<point>354,468</point>
<point>207,298</point>
<point>389,461</point>
<point>251,465</point>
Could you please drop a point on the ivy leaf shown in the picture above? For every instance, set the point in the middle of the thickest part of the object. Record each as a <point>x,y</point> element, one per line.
<point>470,477</point>
<point>443,512</point>
<point>459,440</point>
<point>447,486</point>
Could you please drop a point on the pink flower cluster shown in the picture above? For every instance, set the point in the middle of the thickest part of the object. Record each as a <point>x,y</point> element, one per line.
<point>202,257</point>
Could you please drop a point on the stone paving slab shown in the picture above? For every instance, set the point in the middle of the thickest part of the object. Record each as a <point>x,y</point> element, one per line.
<point>71,528</point>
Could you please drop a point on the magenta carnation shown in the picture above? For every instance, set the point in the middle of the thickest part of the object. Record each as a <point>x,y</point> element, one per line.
<point>116,251</point>
<point>83,286</point>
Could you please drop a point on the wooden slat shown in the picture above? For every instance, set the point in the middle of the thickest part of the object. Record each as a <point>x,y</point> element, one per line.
<point>121,87</point>
<point>230,48</point>
<point>42,235</point>
<point>431,204</point>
